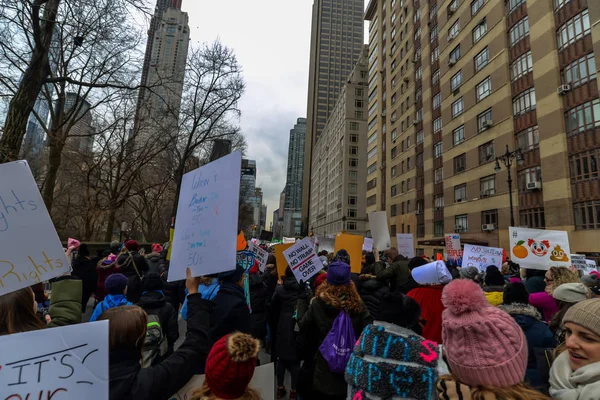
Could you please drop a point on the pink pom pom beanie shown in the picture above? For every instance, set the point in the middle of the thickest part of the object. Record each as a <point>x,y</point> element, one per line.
<point>483,344</point>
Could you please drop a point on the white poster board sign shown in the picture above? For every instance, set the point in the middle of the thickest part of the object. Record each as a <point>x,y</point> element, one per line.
<point>287,240</point>
<point>368,244</point>
<point>30,250</point>
<point>591,266</point>
<point>70,362</point>
<point>261,255</point>
<point>406,244</point>
<point>481,257</point>
<point>207,216</point>
<point>327,244</point>
<point>539,249</point>
<point>453,248</point>
<point>380,232</point>
<point>578,261</point>
<point>302,259</point>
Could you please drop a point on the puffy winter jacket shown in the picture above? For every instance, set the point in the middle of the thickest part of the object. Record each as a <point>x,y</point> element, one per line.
<point>258,302</point>
<point>155,303</point>
<point>494,294</point>
<point>399,276</point>
<point>104,271</point>
<point>372,292</point>
<point>110,301</point>
<point>283,308</point>
<point>231,312</point>
<point>208,292</point>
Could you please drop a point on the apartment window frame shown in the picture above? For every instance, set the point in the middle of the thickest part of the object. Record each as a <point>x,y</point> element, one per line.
<point>433,34</point>
<point>353,176</point>
<point>420,137</point>
<point>458,135</point>
<point>528,139</point>
<point>435,77</point>
<point>488,184</point>
<point>454,30</point>
<point>521,66</point>
<point>393,210</point>
<point>461,223</point>
<point>587,215</point>
<point>484,116</point>
<point>458,107</point>
<point>438,175</point>
<point>353,162</point>
<point>490,217</point>
<point>352,200</point>
<point>479,31</point>
<point>528,175</point>
<point>483,89</point>
<point>574,29</point>
<point>438,202</point>
<point>524,102</point>
<point>532,218</point>
<point>582,118</point>
<point>476,5</point>
<point>455,53</point>
<point>372,153</point>
<point>460,163</point>
<point>437,101</point>
<point>371,169</point>
<point>511,5</point>
<point>585,165</point>
<point>353,138</point>
<point>394,190</point>
<point>481,59</point>
<point>456,81</point>
<point>579,71</point>
<point>558,4</point>
<point>435,54</point>
<point>438,229</point>
<point>437,125</point>
<point>460,193</point>
<point>518,32</point>
<point>487,152</point>
<point>437,149</point>
<point>353,150</point>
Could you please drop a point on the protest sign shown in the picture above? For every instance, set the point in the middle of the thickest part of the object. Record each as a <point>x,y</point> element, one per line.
<point>539,249</point>
<point>303,260</point>
<point>591,266</point>
<point>70,362</point>
<point>287,240</point>
<point>380,232</point>
<point>578,261</point>
<point>263,381</point>
<point>406,244</point>
<point>207,216</point>
<point>327,244</point>
<point>245,259</point>
<point>281,261</point>
<point>260,254</point>
<point>30,249</point>
<point>481,257</point>
<point>368,244</point>
<point>353,245</point>
<point>453,250</point>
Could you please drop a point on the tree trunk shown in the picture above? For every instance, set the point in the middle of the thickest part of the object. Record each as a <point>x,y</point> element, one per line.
<point>55,148</point>
<point>178,179</point>
<point>110,226</point>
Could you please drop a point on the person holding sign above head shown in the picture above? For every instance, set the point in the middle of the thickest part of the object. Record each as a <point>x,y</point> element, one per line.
<point>397,273</point>
<point>116,289</point>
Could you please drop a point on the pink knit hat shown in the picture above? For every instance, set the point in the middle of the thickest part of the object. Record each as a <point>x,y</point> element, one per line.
<point>483,344</point>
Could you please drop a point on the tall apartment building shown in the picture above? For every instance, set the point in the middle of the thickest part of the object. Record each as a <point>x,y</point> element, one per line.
<point>338,177</point>
<point>455,83</point>
<point>295,174</point>
<point>337,37</point>
<point>82,133</point>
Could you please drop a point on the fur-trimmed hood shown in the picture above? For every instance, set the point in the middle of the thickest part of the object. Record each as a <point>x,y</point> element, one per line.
<point>340,298</point>
<point>521,309</point>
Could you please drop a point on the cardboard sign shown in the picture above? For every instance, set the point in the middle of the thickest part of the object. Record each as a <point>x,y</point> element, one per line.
<point>262,381</point>
<point>282,263</point>
<point>368,244</point>
<point>260,254</point>
<point>453,248</point>
<point>481,257</point>
<point>578,261</point>
<point>406,244</point>
<point>380,232</point>
<point>327,244</point>
<point>207,216</point>
<point>353,245</point>
<point>60,363</point>
<point>303,260</point>
<point>287,240</point>
<point>539,249</point>
<point>30,250</point>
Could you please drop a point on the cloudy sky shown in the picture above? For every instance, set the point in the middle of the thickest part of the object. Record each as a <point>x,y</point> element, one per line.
<point>271,39</point>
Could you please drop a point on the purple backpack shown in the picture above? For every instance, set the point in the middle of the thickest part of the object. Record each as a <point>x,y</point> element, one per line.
<point>339,343</point>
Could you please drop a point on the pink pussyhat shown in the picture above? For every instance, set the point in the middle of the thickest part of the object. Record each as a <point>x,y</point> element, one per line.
<point>73,243</point>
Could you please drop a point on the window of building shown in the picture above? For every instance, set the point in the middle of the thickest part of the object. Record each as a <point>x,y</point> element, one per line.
<point>351,225</point>
<point>419,160</point>
<point>359,92</point>
<point>461,223</point>
<point>438,229</point>
<point>408,184</point>
<point>481,59</point>
<point>583,117</point>
<point>479,31</point>
<point>558,4</point>
<point>420,137</point>
<point>488,185</point>
<point>511,5</point>
<point>519,31</point>
<point>352,213</point>
<point>418,95</point>
<point>393,230</point>
<point>352,200</point>
<point>353,162</point>
<point>456,81</point>
<point>528,175</point>
<point>484,89</point>
<point>457,107</point>
<point>352,188</point>
<point>433,34</point>
<point>524,102</point>
<point>481,118</point>
<point>528,139</point>
<point>408,211</point>
<point>394,190</point>
<point>353,175</point>
<point>533,218</point>
<point>394,171</point>
<point>438,202</point>
<point>372,138</point>
<point>435,54</point>
<point>437,150</point>
<point>418,73</point>
<point>435,77</point>
<point>372,124</point>
<point>438,175</point>
<point>408,144</point>
<point>584,165</point>
<point>574,29</point>
<point>372,109</point>
<point>460,193</point>
<point>371,200</point>
<point>408,165</point>
<point>372,153</point>
<point>394,134</point>
<point>353,150</point>
<point>433,11</point>
<point>437,125</point>
<point>394,152</point>
<point>454,29</point>
<point>354,126</point>
<point>359,103</point>
<point>393,210</point>
<point>359,115</point>
<point>460,163</point>
<point>455,53</point>
<point>372,168</point>
<point>486,153</point>
<point>580,71</point>
<point>458,135</point>
<point>587,215</point>
<point>437,101</point>
<point>476,6</point>
<point>521,66</point>
<point>489,217</point>
<point>353,138</point>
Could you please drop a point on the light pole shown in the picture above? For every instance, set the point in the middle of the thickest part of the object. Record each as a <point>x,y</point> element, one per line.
<point>508,159</point>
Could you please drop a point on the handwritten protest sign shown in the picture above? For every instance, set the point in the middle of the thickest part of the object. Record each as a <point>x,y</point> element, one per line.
<point>287,240</point>
<point>302,259</point>
<point>207,217</point>
<point>539,249</point>
<point>260,254</point>
<point>406,244</point>
<point>368,244</point>
<point>59,364</point>
<point>453,248</point>
<point>578,261</point>
<point>380,232</point>
<point>282,263</point>
<point>591,266</point>
<point>481,257</point>
<point>353,245</point>
<point>30,250</point>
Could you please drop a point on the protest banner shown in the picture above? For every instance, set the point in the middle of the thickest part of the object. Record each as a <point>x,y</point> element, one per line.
<point>539,249</point>
<point>69,362</point>
<point>288,240</point>
<point>207,216</point>
<point>260,254</point>
<point>30,249</point>
<point>481,257</point>
<point>353,245</point>
<point>591,266</point>
<point>263,381</point>
<point>368,244</point>
<point>303,260</point>
<point>453,250</point>
<point>406,244</point>
<point>578,261</point>
<point>281,261</point>
<point>327,244</point>
<point>380,232</point>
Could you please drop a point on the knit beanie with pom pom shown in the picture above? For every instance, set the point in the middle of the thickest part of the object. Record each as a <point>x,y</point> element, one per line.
<point>230,365</point>
<point>483,344</point>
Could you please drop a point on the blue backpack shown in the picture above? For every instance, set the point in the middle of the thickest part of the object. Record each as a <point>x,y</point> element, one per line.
<point>339,343</point>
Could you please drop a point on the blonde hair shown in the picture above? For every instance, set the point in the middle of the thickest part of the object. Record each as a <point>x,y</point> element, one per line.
<point>204,393</point>
<point>516,392</point>
<point>561,275</point>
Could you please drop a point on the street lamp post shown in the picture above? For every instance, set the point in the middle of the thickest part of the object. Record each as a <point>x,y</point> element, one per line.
<point>507,159</point>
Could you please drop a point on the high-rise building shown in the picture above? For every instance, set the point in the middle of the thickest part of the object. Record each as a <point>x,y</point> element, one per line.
<point>295,176</point>
<point>458,85</point>
<point>337,37</point>
<point>339,179</point>
<point>33,142</point>
<point>81,135</point>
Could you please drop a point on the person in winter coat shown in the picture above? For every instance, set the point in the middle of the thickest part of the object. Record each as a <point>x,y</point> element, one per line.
<point>154,302</point>
<point>530,320</point>
<point>575,373</point>
<point>401,310</point>
<point>154,260</point>
<point>494,285</point>
<point>105,268</point>
<point>258,303</point>
<point>116,289</point>
<point>134,266</point>
<point>127,330</point>
<point>371,289</point>
<point>115,247</point>
<point>566,296</point>
<point>491,364</point>
<point>84,268</point>
<point>209,287</point>
<point>397,273</point>
<point>316,319</point>
<point>174,291</point>
<point>534,280</point>
<point>471,273</point>
<point>544,301</point>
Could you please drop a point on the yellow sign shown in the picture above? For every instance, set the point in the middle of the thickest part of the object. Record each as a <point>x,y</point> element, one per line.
<point>171,236</point>
<point>282,263</point>
<point>353,245</point>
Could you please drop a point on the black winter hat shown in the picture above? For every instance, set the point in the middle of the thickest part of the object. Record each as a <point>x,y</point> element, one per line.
<point>151,282</point>
<point>515,293</point>
<point>343,256</point>
<point>493,276</point>
<point>399,309</point>
<point>416,262</point>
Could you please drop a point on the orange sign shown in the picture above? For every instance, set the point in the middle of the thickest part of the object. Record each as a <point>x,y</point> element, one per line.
<point>353,245</point>
<point>282,263</point>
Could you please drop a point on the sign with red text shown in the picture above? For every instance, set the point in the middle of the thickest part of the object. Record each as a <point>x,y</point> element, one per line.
<point>260,255</point>
<point>368,244</point>
<point>453,250</point>
<point>30,250</point>
<point>539,248</point>
<point>405,242</point>
<point>302,259</point>
<point>481,257</point>
<point>64,363</point>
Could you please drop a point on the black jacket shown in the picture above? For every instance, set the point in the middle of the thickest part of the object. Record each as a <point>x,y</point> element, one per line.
<point>231,312</point>
<point>399,276</point>
<point>258,302</point>
<point>85,269</point>
<point>128,263</point>
<point>283,308</point>
<point>129,381</point>
<point>174,291</point>
<point>372,292</point>
<point>155,303</point>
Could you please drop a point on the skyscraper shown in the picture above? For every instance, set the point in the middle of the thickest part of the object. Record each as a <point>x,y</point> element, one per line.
<point>295,174</point>
<point>336,41</point>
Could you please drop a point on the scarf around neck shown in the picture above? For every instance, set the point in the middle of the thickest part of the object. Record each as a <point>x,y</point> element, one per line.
<point>566,384</point>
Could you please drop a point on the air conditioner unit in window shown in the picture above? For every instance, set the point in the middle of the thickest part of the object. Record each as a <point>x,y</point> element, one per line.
<point>488,227</point>
<point>393,119</point>
<point>451,37</point>
<point>484,193</point>
<point>563,89</point>
<point>452,9</point>
<point>451,62</point>
<point>417,212</point>
<point>534,185</point>
<point>487,124</point>
<point>416,122</point>
<point>460,200</point>
<point>439,208</point>
<point>459,228</point>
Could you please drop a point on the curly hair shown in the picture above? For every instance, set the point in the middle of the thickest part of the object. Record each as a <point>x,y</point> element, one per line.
<point>562,275</point>
<point>341,297</point>
<point>204,393</point>
<point>516,392</point>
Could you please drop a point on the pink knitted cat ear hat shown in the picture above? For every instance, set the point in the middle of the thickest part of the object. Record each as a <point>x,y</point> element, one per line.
<point>483,344</point>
